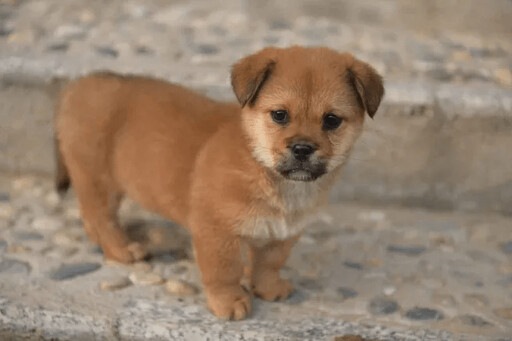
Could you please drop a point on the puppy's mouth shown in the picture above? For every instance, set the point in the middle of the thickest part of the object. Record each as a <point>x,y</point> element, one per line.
<point>302,171</point>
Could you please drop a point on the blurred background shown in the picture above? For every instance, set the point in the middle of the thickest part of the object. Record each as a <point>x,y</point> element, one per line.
<point>441,138</point>
<point>440,143</point>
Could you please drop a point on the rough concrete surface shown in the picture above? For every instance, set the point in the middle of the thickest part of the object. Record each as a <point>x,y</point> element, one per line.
<point>390,274</point>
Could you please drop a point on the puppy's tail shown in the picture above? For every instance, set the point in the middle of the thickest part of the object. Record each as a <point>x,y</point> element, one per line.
<point>62,179</point>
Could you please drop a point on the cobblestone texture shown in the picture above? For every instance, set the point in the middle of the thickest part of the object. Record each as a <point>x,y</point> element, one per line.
<point>211,35</point>
<point>349,278</point>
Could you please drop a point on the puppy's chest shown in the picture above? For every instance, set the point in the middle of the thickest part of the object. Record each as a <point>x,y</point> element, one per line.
<point>293,201</point>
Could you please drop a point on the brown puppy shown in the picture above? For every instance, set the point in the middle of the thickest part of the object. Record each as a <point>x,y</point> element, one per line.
<point>238,176</point>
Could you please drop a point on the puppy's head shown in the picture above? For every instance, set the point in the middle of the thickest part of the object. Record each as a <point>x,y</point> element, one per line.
<point>303,108</point>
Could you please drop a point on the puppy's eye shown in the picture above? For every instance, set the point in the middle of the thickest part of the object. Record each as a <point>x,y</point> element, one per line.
<point>331,122</point>
<point>279,116</point>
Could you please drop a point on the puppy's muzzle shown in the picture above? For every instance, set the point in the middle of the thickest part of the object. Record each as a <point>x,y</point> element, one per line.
<point>302,151</point>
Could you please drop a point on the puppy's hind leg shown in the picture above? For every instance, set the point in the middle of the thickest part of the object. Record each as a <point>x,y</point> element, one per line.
<point>99,206</point>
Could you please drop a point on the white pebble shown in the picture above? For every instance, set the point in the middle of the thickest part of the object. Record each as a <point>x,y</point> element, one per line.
<point>115,284</point>
<point>180,288</point>
<point>145,278</point>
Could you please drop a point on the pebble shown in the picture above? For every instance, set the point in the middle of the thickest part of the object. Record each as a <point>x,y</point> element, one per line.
<point>47,223</point>
<point>353,265</point>
<point>57,47</point>
<point>69,32</point>
<point>14,248</point>
<point>3,246</point>
<point>507,248</point>
<point>207,49</point>
<point>73,212</point>
<point>388,291</point>
<point>69,271</point>
<point>346,292</point>
<point>6,210</point>
<point>145,278</point>
<point>504,76</point>
<point>444,299</point>
<point>351,338</point>
<point>23,183</point>
<point>382,306</point>
<point>477,300</point>
<point>28,236</point>
<point>115,283</point>
<point>422,314</point>
<point>68,236</point>
<point>107,51</point>
<point>407,250</point>
<point>505,313</point>
<point>373,215</point>
<point>59,252</point>
<point>180,288</point>
<point>52,198</point>
<point>473,320</point>
<point>11,266</point>
<point>4,196</point>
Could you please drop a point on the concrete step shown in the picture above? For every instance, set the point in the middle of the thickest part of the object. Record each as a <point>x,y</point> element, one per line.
<point>444,146</point>
<point>377,272</point>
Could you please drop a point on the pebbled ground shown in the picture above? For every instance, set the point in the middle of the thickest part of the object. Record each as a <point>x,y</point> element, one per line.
<point>384,273</point>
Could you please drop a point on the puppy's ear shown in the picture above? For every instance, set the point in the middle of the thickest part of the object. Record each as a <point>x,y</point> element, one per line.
<point>368,85</point>
<point>249,75</point>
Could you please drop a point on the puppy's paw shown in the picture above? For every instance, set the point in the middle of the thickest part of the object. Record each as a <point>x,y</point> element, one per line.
<point>129,253</point>
<point>273,290</point>
<point>229,304</point>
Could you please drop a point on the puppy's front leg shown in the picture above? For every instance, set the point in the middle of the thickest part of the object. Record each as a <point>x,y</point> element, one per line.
<point>219,259</point>
<point>267,262</point>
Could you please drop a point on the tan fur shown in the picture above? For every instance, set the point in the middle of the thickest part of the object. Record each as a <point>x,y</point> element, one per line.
<point>214,167</point>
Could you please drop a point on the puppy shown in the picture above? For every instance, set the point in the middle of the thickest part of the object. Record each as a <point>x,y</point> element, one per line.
<point>238,176</point>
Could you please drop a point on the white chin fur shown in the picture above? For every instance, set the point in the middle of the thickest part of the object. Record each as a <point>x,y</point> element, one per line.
<point>300,175</point>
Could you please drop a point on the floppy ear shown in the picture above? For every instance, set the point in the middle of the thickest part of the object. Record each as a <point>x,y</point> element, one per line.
<point>249,75</point>
<point>368,85</point>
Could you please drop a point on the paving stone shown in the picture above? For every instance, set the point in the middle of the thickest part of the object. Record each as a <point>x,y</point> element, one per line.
<point>70,271</point>
<point>409,250</point>
<point>382,306</point>
<point>11,266</point>
<point>473,320</point>
<point>421,314</point>
<point>115,283</point>
<point>346,292</point>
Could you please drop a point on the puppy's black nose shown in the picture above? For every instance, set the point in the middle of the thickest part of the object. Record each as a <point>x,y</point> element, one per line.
<point>302,151</point>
